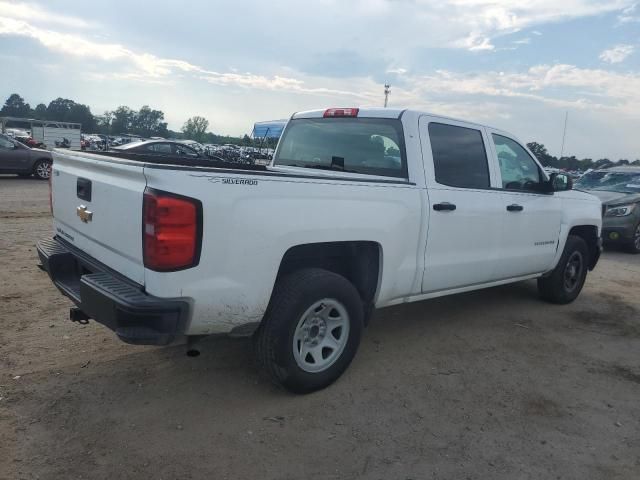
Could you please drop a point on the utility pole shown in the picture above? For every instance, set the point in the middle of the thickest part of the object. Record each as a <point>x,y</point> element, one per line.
<point>387,91</point>
<point>564,133</point>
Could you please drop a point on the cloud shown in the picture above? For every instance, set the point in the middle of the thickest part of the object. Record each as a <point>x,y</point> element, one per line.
<point>487,19</point>
<point>617,54</point>
<point>38,14</point>
<point>630,14</point>
<point>561,85</point>
<point>397,71</point>
<point>149,68</point>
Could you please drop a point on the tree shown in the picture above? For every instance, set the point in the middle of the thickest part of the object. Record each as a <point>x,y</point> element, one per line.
<point>15,107</point>
<point>541,153</point>
<point>40,112</point>
<point>122,119</point>
<point>195,128</point>
<point>59,108</point>
<point>148,123</point>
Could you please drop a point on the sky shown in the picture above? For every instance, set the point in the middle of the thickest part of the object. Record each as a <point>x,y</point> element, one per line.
<point>518,66</point>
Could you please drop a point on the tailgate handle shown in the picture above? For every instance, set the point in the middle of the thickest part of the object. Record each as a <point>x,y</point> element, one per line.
<point>83,189</point>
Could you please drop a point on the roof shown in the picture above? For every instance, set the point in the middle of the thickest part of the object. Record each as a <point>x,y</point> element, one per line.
<point>381,112</point>
<point>622,169</point>
<point>53,123</point>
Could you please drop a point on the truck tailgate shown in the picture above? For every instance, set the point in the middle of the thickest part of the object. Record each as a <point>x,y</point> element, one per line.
<point>97,207</point>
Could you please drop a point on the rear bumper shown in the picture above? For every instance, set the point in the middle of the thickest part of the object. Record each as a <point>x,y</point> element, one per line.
<point>111,299</point>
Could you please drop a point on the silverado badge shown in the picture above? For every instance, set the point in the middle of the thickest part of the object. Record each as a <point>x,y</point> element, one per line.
<point>84,214</point>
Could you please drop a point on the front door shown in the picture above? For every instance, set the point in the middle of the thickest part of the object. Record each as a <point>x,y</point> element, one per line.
<point>532,217</point>
<point>13,157</point>
<point>466,214</point>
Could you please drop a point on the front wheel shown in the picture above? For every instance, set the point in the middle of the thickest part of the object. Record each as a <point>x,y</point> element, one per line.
<point>42,169</point>
<point>311,330</point>
<point>565,282</point>
<point>634,244</point>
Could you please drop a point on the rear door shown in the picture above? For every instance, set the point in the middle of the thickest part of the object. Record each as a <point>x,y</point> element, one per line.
<point>97,207</point>
<point>532,217</point>
<point>465,218</point>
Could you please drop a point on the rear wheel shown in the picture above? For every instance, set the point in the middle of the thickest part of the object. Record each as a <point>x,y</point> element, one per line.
<point>565,282</point>
<point>42,169</point>
<point>311,331</point>
<point>634,245</point>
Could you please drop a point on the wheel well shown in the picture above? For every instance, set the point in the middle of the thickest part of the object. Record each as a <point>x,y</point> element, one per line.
<point>358,262</point>
<point>589,233</point>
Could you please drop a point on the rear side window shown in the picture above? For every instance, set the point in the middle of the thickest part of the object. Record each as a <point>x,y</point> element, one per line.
<point>459,156</point>
<point>372,146</point>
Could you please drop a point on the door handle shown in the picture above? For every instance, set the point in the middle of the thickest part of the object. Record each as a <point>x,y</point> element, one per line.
<point>444,206</point>
<point>515,208</point>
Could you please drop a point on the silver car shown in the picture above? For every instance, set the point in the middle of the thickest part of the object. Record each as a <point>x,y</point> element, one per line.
<point>16,157</point>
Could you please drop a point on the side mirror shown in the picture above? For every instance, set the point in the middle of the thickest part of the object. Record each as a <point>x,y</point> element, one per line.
<point>560,182</point>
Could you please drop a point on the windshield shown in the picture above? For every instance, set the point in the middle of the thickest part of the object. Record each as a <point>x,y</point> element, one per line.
<point>372,146</point>
<point>622,182</point>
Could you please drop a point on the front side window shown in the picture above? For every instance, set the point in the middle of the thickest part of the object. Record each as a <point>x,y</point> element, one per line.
<point>459,156</point>
<point>372,146</point>
<point>184,150</point>
<point>519,171</point>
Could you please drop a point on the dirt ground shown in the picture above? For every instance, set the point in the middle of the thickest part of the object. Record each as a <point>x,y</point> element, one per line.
<point>492,384</point>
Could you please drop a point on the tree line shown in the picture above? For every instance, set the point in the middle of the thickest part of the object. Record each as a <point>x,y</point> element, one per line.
<point>573,163</point>
<point>148,122</point>
<point>145,122</point>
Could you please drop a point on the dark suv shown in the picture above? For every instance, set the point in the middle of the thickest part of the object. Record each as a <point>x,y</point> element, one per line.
<point>16,157</point>
<point>619,190</point>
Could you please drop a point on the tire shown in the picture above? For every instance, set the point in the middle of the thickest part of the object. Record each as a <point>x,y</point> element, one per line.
<point>634,244</point>
<point>565,282</point>
<point>42,169</point>
<point>310,306</point>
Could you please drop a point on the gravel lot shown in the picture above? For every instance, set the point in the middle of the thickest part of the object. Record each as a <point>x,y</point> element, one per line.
<point>487,385</point>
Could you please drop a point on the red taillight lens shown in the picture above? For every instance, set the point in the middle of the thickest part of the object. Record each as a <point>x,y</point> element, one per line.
<point>341,112</point>
<point>172,228</point>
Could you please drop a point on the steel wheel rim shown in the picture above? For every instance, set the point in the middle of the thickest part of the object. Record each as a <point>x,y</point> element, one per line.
<point>636,237</point>
<point>43,170</point>
<point>321,335</point>
<point>573,271</point>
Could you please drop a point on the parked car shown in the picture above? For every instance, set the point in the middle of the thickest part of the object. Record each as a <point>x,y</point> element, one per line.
<point>360,209</point>
<point>619,190</point>
<point>158,147</point>
<point>16,157</point>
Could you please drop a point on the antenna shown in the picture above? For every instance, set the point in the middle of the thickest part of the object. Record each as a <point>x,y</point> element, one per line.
<point>387,91</point>
<point>564,133</point>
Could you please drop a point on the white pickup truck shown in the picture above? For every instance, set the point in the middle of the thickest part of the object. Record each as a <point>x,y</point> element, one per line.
<point>359,209</point>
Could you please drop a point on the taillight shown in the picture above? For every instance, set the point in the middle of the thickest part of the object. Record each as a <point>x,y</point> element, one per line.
<point>172,231</point>
<point>341,112</point>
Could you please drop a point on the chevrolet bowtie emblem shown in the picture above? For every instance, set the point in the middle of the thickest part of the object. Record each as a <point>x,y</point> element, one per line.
<point>84,214</point>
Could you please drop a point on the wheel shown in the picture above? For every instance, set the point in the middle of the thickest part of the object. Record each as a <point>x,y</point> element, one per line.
<point>311,330</point>
<point>634,245</point>
<point>565,282</point>
<point>42,169</point>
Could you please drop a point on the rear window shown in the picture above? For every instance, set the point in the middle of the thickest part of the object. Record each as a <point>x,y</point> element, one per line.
<point>372,146</point>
